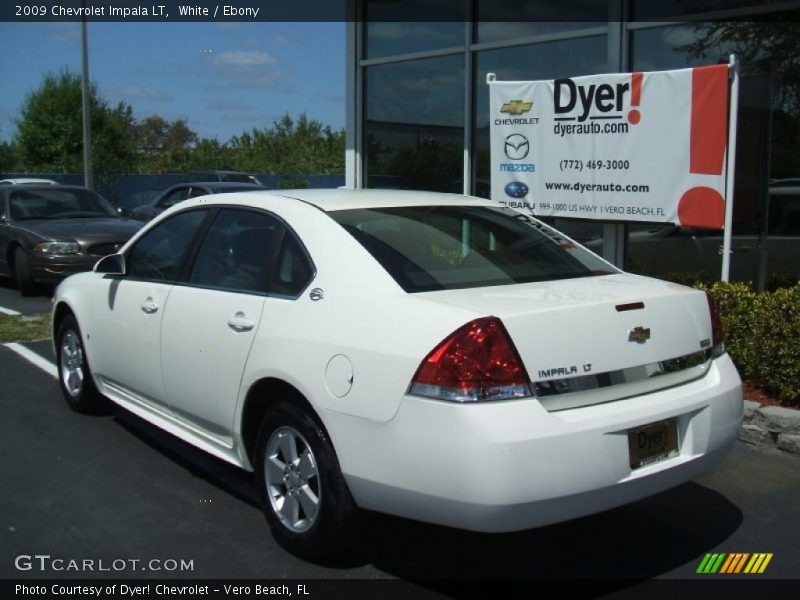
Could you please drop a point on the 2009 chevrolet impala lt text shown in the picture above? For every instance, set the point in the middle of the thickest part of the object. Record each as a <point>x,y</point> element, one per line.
<point>433,356</point>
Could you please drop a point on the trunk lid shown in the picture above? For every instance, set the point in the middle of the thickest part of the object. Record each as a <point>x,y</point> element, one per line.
<point>616,329</point>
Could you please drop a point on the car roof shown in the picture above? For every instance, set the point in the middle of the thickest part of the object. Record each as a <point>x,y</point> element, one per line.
<point>784,191</point>
<point>790,182</point>
<point>44,186</point>
<point>219,172</point>
<point>28,181</point>
<point>221,185</point>
<point>345,199</point>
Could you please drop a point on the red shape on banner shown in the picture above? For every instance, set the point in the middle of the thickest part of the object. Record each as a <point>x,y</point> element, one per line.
<point>634,116</point>
<point>702,207</point>
<point>709,119</point>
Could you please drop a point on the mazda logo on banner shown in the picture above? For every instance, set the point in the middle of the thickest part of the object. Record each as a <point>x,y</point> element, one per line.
<point>517,146</point>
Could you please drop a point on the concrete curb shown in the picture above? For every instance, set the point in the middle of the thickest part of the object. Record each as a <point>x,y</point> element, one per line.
<point>771,427</point>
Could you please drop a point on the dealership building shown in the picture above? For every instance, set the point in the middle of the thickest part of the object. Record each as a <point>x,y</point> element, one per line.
<point>418,108</point>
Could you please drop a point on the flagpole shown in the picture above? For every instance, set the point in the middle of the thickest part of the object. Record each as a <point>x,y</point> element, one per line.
<point>731,168</point>
<point>88,175</point>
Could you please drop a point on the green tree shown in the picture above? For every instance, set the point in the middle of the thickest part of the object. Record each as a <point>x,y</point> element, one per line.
<point>8,156</point>
<point>209,154</point>
<point>288,147</point>
<point>49,131</point>
<point>164,146</point>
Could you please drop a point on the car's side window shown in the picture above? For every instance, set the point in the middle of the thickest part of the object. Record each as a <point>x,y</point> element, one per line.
<point>293,271</point>
<point>159,254</point>
<point>234,253</point>
<point>197,191</point>
<point>173,198</point>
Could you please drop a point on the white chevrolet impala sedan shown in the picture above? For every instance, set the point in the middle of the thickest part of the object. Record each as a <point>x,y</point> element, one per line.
<point>433,356</point>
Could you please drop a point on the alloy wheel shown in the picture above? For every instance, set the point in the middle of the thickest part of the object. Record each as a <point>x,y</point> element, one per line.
<point>292,479</point>
<point>72,363</point>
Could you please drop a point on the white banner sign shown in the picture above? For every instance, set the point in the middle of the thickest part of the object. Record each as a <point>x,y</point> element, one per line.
<point>618,147</point>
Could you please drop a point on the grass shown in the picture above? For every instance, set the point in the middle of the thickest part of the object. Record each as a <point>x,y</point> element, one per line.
<point>24,328</point>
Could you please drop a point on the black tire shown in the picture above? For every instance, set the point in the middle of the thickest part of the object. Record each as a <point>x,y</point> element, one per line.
<point>23,274</point>
<point>335,526</point>
<point>82,396</point>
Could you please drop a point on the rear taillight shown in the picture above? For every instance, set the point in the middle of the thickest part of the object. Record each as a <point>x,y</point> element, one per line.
<point>476,362</point>
<point>717,333</point>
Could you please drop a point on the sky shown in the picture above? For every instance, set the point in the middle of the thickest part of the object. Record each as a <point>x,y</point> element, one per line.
<point>223,78</point>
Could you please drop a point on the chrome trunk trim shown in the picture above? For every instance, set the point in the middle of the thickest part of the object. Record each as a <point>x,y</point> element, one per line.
<point>598,388</point>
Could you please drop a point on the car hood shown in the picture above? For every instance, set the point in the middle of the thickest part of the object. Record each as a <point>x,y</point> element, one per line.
<point>84,231</point>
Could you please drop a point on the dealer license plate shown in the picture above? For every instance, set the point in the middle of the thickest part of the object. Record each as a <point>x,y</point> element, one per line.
<point>653,443</point>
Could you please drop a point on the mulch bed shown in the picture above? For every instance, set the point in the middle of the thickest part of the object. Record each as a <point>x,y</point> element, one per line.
<point>756,394</point>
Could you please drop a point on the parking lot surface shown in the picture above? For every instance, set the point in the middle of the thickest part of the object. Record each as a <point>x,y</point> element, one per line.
<point>113,487</point>
<point>12,301</point>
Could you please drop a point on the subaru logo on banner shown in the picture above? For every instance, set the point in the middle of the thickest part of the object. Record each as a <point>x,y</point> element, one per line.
<point>516,189</point>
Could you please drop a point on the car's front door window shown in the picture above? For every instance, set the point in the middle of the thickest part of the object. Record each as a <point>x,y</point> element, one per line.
<point>159,254</point>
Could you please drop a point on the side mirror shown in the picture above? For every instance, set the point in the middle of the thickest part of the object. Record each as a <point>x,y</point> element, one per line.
<point>123,212</point>
<point>113,264</point>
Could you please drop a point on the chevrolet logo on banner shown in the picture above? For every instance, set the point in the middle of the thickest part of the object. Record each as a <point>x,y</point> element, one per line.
<point>516,107</point>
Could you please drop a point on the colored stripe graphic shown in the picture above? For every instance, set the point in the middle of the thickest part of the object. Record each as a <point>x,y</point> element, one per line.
<point>703,564</point>
<point>727,564</point>
<point>711,563</point>
<point>758,563</point>
<point>741,562</point>
<point>733,563</point>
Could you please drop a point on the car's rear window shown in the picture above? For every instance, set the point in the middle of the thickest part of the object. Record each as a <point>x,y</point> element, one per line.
<point>426,248</point>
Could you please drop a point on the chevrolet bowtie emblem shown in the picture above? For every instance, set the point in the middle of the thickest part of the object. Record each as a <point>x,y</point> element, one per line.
<point>516,107</point>
<point>639,335</point>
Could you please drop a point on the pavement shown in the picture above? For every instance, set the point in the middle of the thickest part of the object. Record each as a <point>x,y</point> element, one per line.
<point>12,302</point>
<point>114,487</point>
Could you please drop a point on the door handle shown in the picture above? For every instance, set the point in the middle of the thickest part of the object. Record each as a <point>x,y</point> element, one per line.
<point>149,306</point>
<point>239,323</point>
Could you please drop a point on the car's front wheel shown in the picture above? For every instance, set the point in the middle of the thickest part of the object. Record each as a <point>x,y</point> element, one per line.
<point>304,495</point>
<point>74,376</point>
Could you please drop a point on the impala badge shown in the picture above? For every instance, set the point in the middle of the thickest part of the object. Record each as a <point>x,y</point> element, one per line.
<point>639,335</point>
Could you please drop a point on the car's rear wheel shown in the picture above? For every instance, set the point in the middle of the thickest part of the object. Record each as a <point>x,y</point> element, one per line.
<point>23,274</point>
<point>304,495</point>
<point>74,376</point>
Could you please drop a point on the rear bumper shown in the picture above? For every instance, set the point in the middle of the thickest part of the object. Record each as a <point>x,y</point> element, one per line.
<point>512,465</point>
